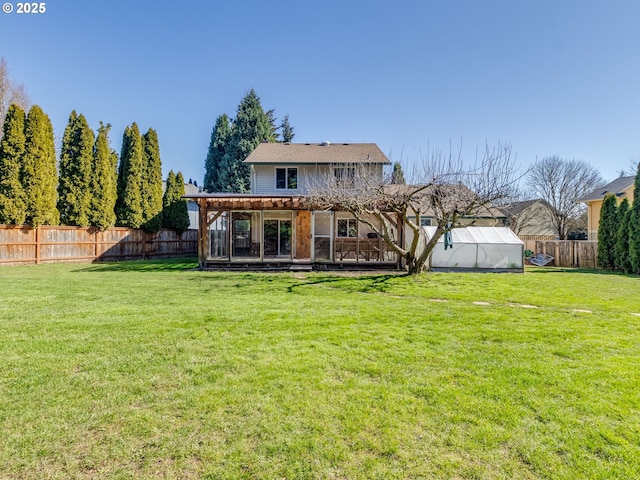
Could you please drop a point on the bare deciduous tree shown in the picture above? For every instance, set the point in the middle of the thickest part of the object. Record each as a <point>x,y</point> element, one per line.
<point>10,92</point>
<point>630,170</point>
<point>446,190</point>
<point>561,183</point>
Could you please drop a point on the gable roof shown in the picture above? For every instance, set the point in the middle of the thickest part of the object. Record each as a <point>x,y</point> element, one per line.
<point>617,187</point>
<point>189,188</point>
<point>313,153</point>
<point>515,208</point>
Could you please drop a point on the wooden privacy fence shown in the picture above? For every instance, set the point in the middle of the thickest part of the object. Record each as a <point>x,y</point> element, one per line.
<point>20,245</point>
<point>570,253</point>
<point>530,240</point>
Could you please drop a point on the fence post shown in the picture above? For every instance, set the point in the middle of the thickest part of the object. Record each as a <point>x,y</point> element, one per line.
<point>95,245</point>
<point>38,245</point>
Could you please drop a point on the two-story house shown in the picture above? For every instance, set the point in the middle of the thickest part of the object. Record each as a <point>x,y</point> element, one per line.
<point>274,226</point>
<point>621,187</point>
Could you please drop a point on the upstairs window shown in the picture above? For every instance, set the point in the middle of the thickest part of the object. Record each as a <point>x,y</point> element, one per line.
<point>287,178</point>
<point>344,175</point>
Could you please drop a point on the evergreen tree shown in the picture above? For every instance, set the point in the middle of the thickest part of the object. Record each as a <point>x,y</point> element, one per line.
<point>621,249</point>
<point>175,214</point>
<point>181,221</point>
<point>152,183</point>
<point>634,227</point>
<point>397,176</point>
<point>76,172</point>
<point>607,230</point>
<point>168,196</point>
<point>273,128</point>
<point>251,126</point>
<point>287,130</point>
<point>12,197</point>
<point>131,174</point>
<point>40,175</point>
<point>220,137</point>
<point>104,190</point>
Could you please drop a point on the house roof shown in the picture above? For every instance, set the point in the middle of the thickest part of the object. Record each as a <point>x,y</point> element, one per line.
<point>189,188</point>
<point>617,187</point>
<point>313,153</point>
<point>516,208</point>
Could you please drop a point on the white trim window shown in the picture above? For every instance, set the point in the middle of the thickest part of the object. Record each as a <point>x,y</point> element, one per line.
<point>287,178</point>
<point>347,227</point>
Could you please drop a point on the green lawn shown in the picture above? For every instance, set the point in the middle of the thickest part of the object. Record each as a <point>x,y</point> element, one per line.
<point>152,370</point>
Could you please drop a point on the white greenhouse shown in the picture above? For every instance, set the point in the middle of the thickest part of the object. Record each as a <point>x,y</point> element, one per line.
<point>491,249</point>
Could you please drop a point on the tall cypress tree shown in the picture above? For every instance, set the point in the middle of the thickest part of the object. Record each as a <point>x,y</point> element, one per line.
<point>607,230</point>
<point>152,182</point>
<point>250,127</point>
<point>168,198</point>
<point>220,137</point>
<point>175,214</point>
<point>104,190</point>
<point>181,219</point>
<point>12,196</point>
<point>40,175</point>
<point>634,227</point>
<point>621,248</point>
<point>129,205</point>
<point>76,172</point>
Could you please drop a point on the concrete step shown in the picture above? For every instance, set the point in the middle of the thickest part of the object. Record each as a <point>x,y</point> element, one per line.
<point>301,267</point>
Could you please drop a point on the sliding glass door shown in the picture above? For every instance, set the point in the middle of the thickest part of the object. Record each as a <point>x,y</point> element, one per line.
<point>277,227</point>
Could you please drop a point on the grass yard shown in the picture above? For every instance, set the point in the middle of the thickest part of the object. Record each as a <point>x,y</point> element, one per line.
<point>151,370</point>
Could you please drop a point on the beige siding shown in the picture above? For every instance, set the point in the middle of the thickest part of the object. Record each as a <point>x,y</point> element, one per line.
<point>593,216</point>
<point>535,220</point>
<point>593,212</point>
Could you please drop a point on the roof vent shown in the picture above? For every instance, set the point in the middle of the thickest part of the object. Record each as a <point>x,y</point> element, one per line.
<point>325,143</point>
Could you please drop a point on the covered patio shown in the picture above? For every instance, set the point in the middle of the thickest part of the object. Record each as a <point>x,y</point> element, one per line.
<point>282,232</point>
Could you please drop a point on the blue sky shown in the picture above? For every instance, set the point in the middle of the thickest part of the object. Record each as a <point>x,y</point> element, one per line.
<point>549,77</point>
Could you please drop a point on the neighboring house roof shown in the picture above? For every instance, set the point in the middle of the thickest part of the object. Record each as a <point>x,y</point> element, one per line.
<point>515,208</point>
<point>617,187</point>
<point>189,188</point>
<point>531,217</point>
<point>314,153</point>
